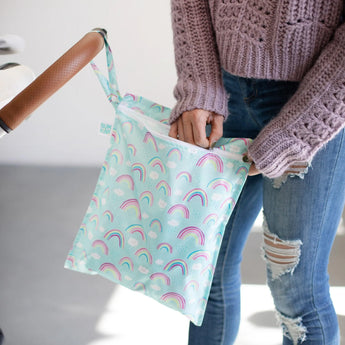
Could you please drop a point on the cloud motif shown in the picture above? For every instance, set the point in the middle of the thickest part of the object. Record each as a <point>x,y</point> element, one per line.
<point>132,242</point>
<point>197,267</point>
<point>162,203</point>
<point>216,197</point>
<point>119,192</point>
<point>143,270</point>
<point>173,222</point>
<point>155,287</point>
<point>95,256</point>
<point>152,234</point>
<point>154,175</point>
<point>159,262</point>
<point>171,165</point>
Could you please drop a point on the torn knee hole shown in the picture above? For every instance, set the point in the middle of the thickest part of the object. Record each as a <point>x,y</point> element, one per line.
<point>281,256</point>
<point>293,328</point>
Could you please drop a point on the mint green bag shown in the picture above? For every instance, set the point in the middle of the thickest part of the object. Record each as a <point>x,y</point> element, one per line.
<point>157,216</point>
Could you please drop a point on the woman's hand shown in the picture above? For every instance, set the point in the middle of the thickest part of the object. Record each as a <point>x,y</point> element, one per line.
<point>190,127</point>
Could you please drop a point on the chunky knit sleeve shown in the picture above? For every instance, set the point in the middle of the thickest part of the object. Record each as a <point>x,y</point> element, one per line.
<point>199,82</point>
<point>312,117</point>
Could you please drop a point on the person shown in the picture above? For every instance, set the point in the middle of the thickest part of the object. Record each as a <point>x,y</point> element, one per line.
<point>272,71</point>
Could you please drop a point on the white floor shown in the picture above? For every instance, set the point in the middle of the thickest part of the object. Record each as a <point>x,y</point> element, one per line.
<point>130,318</point>
<point>41,303</point>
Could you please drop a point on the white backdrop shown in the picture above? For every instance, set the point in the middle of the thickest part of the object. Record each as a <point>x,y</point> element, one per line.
<point>63,131</point>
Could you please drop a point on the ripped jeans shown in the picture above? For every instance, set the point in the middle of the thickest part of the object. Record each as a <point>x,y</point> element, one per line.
<point>301,219</point>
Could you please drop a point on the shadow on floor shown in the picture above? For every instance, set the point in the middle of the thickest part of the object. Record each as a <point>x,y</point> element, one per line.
<point>41,302</point>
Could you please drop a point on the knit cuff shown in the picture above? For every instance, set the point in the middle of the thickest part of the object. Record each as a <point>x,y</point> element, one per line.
<point>312,117</point>
<point>274,153</point>
<point>191,96</point>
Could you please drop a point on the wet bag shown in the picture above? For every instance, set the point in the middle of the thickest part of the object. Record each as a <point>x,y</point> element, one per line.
<point>156,219</point>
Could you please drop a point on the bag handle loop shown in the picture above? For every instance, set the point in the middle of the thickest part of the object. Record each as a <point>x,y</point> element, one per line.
<point>110,84</point>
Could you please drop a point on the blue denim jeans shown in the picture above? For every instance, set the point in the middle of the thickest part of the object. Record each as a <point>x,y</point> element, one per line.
<point>301,215</point>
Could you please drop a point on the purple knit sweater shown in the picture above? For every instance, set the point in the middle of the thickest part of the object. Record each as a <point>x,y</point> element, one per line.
<point>296,40</point>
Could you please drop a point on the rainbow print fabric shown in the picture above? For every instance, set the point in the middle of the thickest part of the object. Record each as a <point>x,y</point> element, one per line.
<point>156,219</point>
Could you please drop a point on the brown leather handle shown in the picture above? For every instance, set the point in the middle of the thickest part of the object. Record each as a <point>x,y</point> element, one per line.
<point>52,79</point>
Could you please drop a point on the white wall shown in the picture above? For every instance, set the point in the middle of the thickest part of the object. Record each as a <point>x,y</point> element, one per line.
<point>63,131</point>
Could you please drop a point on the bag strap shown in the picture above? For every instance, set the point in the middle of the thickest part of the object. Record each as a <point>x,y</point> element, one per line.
<point>109,85</point>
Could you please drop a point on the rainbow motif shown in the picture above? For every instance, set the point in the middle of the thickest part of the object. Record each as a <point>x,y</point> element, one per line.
<point>156,161</point>
<point>116,233</point>
<point>132,149</point>
<point>83,229</point>
<point>135,98</point>
<point>228,202</point>
<point>117,155</point>
<point>197,192</point>
<point>175,298</point>
<point>109,268</point>
<point>95,199</point>
<point>137,228</point>
<point>242,170</point>
<point>193,284</point>
<point>139,110</point>
<point>141,169</point>
<point>165,246</point>
<point>218,237</point>
<point>101,245</point>
<point>84,255</point>
<point>71,260</point>
<point>108,215</point>
<point>165,121</point>
<point>184,175</point>
<point>203,302</point>
<point>112,97</point>
<point>148,196</point>
<point>143,252</point>
<point>105,193</point>
<point>181,209</point>
<point>199,254</point>
<point>159,108</point>
<point>105,167</point>
<point>211,219</point>
<point>211,158</point>
<point>161,277</point>
<point>194,232</point>
<point>209,269</point>
<point>175,152</point>
<point>240,139</point>
<point>156,222</point>
<point>220,182</point>
<point>131,204</point>
<point>164,186</point>
<point>127,179</point>
<point>150,139</point>
<point>177,263</point>
<point>115,135</point>
<point>140,287</point>
<point>127,126</point>
<point>94,220</point>
<point>128,262</point>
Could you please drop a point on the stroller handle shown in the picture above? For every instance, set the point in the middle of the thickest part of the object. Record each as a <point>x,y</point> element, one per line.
<point>51,80</point>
